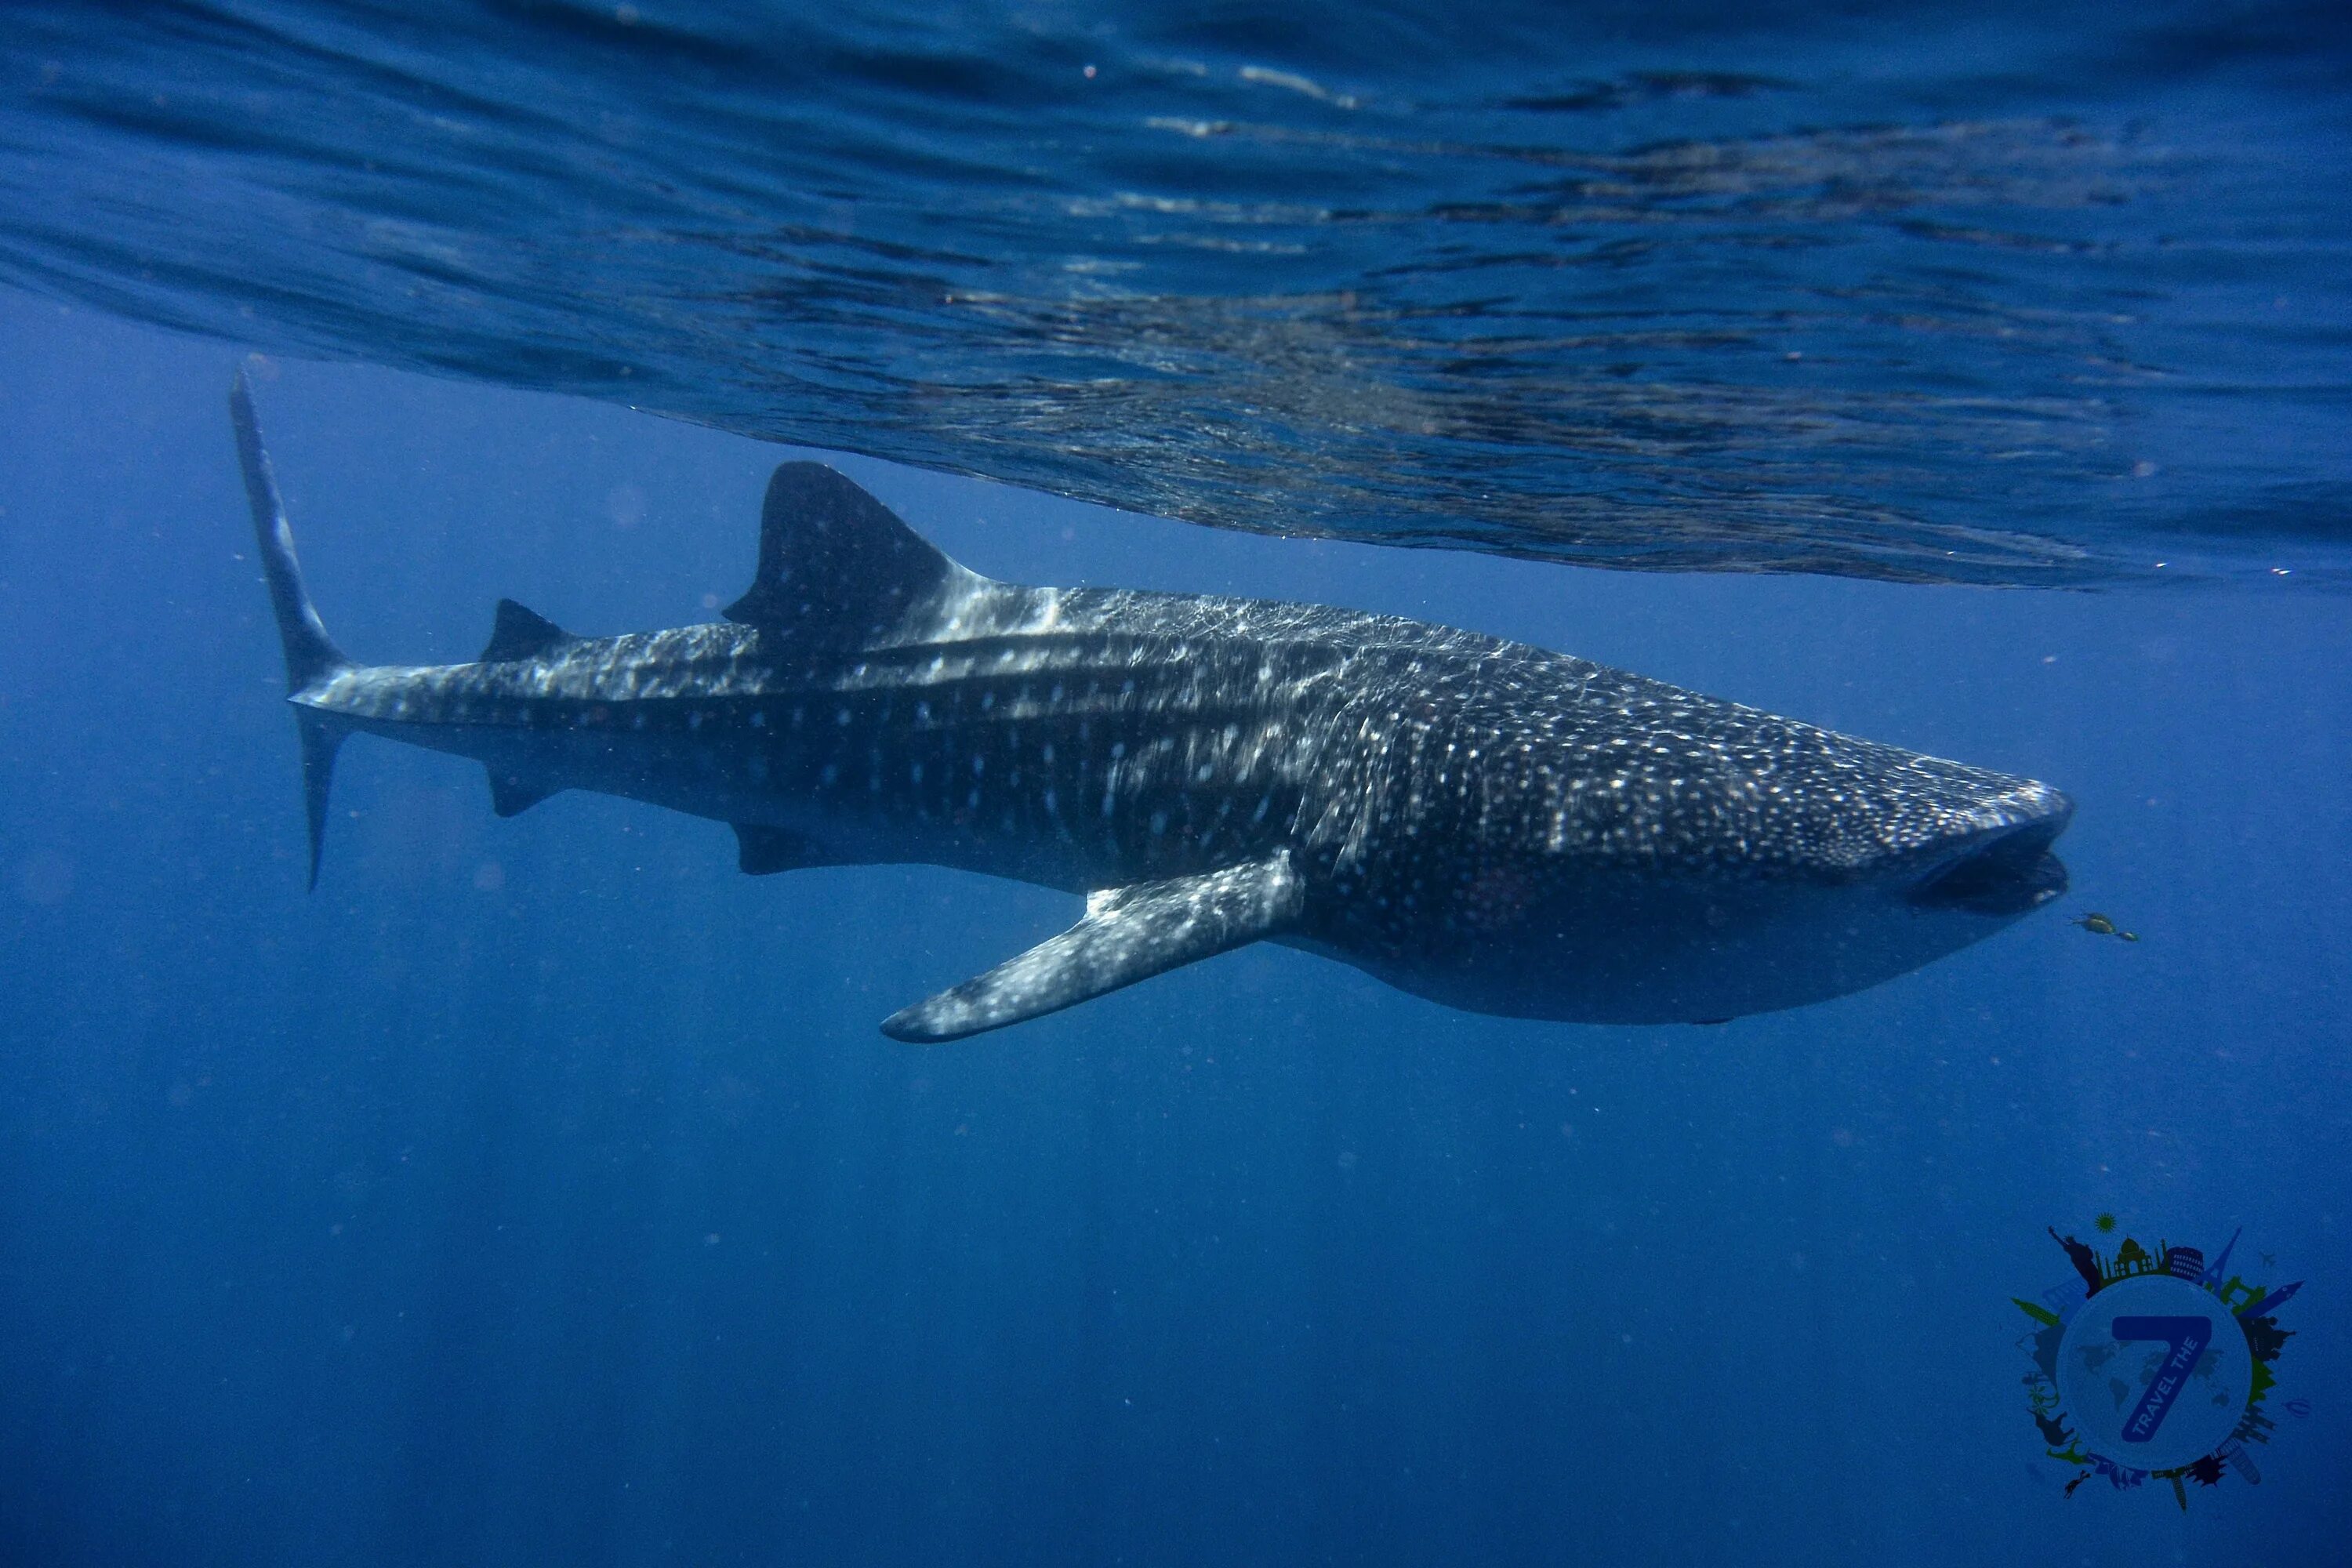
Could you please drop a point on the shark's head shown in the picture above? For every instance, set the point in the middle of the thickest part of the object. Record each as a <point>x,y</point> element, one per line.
<point>1984,858</point>
<point>1925,859</point>
<point>1794,873</point>
<point>1993,873</point>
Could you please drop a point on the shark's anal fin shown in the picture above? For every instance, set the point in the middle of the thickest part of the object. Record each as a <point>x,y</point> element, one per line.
<point>511,796</point>
<point>518,633</point>
<point>1129,934</point>
<point>764,851</point>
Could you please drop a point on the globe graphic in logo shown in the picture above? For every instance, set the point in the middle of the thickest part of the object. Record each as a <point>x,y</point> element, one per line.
<point>2155,1371</point>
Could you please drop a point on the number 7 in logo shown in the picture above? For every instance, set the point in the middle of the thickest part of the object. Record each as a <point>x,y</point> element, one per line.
<point>2185,1339</point>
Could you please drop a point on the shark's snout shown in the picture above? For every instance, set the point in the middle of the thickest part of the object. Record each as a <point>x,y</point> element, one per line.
<point>2005,872</point>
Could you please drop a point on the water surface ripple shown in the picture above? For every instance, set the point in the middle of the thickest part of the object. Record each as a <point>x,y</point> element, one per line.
<point>2013,294</point>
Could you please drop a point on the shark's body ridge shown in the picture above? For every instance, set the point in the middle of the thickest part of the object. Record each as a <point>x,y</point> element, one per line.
<point>1495,826</point>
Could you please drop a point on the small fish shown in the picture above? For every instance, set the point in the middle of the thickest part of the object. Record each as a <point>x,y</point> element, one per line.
<point>2101,925</point>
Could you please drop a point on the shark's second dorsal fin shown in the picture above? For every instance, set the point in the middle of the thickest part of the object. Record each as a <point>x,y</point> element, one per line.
<point>518,633</point>
<point>511,796</point>
<point>839,569</point>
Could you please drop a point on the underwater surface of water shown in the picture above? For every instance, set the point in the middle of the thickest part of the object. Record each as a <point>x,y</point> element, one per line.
<point>1999,293</point>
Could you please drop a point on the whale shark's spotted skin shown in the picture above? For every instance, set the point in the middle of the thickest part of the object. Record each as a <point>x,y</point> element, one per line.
<point>1500,826</point>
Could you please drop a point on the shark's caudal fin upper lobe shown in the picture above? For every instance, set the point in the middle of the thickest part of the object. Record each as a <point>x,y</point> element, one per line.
<point>310,654</point>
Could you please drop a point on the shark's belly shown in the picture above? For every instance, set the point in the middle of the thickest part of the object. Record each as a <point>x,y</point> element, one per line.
<point>1644,950</point>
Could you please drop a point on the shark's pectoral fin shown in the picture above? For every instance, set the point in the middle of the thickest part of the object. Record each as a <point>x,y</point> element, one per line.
<point>1129,934</point>
<point>511,796</point>
<point>763,851</point>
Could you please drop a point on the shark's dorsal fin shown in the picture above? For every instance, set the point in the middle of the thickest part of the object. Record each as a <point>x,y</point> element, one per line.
<point>511,796</point>
<point>518,633</point>
<point>837,568</point>
<point>1127,935</point>
<point>764,851</point>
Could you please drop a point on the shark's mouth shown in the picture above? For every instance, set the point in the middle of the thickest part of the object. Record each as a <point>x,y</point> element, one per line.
<point>2007,874</point>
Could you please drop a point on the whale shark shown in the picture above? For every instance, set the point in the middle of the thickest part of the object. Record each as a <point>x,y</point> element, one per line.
<point>1495,826</point>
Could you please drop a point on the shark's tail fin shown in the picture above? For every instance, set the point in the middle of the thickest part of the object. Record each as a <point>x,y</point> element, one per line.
<point>310,654</point>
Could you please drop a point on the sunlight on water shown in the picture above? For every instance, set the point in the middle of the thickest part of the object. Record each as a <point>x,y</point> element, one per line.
<point>2028,300</point>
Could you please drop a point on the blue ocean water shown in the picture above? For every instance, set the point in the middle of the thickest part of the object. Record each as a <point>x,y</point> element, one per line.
<point>540,1190</point>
